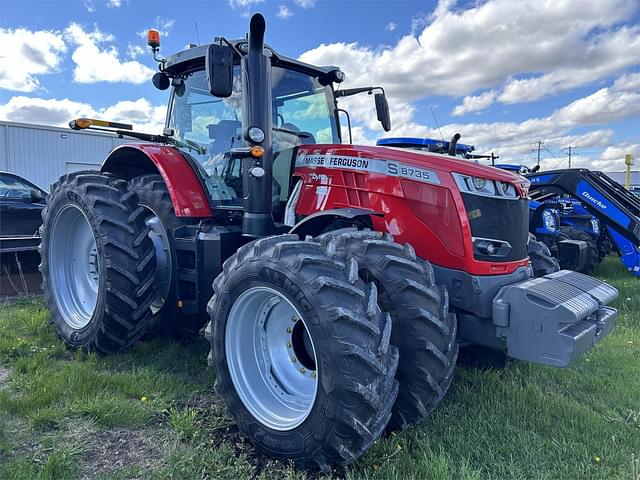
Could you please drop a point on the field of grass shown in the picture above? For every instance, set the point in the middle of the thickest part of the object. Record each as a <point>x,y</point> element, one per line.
<point>151,413</point>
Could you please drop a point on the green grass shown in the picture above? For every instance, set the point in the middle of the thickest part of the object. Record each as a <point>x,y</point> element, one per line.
<point>152,413</point>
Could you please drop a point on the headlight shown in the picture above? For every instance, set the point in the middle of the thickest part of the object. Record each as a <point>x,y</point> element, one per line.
<point>595,226</point>
<point>479,183</point>
<point>491,247</point>
<point>485,186</point>
<point>549,220</point>
<point>255,134</point>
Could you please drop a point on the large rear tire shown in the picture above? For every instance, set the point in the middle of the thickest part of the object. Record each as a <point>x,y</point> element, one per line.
<point>160,217</point>
<point>302,352</point>
<point>97,262</point>
<point>542,262</point>
<point>573,233</point>
<point>423,329</point>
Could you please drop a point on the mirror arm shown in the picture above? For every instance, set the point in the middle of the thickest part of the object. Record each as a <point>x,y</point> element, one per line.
<point>348,123</point>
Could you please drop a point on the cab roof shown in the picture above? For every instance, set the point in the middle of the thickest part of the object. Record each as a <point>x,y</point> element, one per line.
<point>193,59</point>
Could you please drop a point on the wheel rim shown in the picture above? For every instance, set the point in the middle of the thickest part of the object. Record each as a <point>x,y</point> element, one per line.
<point>271,358</point>
<point>162,279</point>
<point>74,267</point>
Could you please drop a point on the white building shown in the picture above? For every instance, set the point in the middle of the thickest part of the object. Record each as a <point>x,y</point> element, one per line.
<point>41,154</point>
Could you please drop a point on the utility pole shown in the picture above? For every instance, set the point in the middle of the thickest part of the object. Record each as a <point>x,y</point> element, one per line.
<point>540,143</point>
<point>569,149</point>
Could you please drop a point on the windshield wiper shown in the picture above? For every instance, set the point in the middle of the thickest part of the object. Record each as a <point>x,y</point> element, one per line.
<point>292,132</point>
<point>199,149</point>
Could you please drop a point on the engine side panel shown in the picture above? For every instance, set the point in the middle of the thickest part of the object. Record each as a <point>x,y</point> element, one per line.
<point>391,182</point>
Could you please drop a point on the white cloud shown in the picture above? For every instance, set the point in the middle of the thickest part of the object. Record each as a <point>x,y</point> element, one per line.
<point>114,3</point>
<point>283,12</point>
<point>474,103</point>
<point>606,54</point>
<point>305,3</point>
<point>89,5</point>
<point>25,54</point>
<point>552,47</point>
<point>627,82</point>
<point>44,112</point>
<point>512,140</point>
<point>243,3</point>
<point>391,26</point>
<point>163,25</point>
<point>98,63</point>
<point>605,105</point>
<point>134,51</point>
<point>141,113</point>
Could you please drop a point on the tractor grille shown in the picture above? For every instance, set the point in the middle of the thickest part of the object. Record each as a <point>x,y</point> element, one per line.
<point>499,219</point>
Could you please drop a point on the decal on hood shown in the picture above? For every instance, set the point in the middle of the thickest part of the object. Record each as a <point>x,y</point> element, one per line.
<point>385,167</point>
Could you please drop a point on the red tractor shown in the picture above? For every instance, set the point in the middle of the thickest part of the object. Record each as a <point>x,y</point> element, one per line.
<point>339,280</point>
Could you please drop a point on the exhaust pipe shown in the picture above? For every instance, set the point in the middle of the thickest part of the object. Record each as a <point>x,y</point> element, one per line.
<point>452,145</point>
<point>257,172</point>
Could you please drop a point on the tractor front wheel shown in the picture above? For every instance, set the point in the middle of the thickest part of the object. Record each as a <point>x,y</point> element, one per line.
<point>302,352</point>
<point>542,262</point>
<point>97,264</point>
<point>572,233</point>
<point>423,328</point>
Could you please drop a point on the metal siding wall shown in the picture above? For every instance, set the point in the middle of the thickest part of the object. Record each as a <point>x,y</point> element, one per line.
<point>3,148</point>
<point>42,155</point>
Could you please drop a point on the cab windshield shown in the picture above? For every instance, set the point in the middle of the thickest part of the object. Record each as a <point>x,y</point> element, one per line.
<point>208,126</point>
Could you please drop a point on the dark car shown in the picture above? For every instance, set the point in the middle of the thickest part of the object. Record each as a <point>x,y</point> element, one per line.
<point>21,204</point>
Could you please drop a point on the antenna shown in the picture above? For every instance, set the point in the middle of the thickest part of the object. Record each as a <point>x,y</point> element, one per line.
<point>437,124</point>
<point>197,34</point>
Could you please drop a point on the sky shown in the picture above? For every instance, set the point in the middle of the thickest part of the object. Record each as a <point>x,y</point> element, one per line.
<point>505,74</point>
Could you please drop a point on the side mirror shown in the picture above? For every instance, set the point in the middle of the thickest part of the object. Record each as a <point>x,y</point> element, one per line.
<point>219,70</point>
<point>36,196</point>
<point>161,81</point>
<point>382,111</point>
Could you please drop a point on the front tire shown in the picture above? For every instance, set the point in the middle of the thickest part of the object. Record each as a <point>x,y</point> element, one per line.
<point>97,263</point>
<point>573,233</point>
<point>302,352</point>
<point>542,262</point>
<point>423,329</point>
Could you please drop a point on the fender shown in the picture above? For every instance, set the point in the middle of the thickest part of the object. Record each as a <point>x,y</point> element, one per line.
<point>185,185</point>
<point>315,223</point>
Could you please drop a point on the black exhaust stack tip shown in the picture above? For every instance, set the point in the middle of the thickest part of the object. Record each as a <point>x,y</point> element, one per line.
<point>257,27</point>
<point>452,145</point>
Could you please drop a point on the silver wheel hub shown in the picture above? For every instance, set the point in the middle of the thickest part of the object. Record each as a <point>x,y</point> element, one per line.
<point>271,358</point>
<point>74,267</point>
<point>162,280</point>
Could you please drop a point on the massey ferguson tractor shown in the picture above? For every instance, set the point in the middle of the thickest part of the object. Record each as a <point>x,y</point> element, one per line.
<point>335,281</point>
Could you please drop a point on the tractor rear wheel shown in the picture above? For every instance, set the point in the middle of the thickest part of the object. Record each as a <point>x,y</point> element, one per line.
<point>573,233</point>
<point>302,352</point>
<point>98,262</point>
<point>160,217</point>
<point>423,329</point>
<point>542,262</point>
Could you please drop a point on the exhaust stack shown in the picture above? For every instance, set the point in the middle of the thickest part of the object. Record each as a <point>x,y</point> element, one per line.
<point>257,172</point>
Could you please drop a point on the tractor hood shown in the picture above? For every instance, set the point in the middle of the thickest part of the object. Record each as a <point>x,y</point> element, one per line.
<point>393,161</point>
